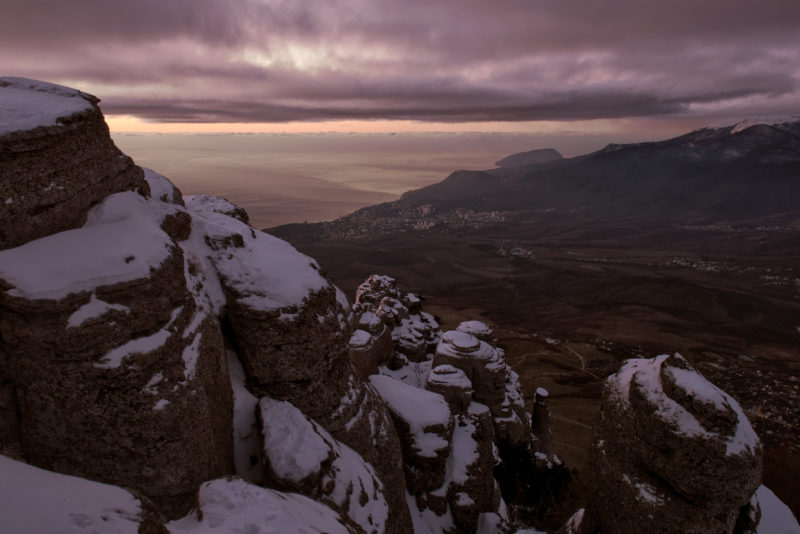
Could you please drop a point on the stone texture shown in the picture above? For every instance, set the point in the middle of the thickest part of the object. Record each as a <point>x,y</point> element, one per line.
<point>542,431</point>
<point>414,331</point>
<point>671,450</point>
<point>370,345</point>
<point>297,349</point>
<point>134,393</point>
<point>452,384</point>
<point>425,427</point>
<point>472,490</point>
<point>51,175</point>
<point>494,382</point>
<point>300,456</point>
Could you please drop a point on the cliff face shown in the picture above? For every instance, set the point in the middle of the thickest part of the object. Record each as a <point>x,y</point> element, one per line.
<point>57,160</point>
<point>161,344</point>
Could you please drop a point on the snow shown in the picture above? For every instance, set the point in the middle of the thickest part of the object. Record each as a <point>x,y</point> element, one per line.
<point>93,309</point>
<point>266,272</point>
<point>369,321</point>
<point>246,437</point>
<point>291,442</point>
<point>426,521</point>
<point>463,452</point>
<point>161,404</point>
<point>748,123</point>
<point>574,522</point>
<point>776,517</point>
<point>542,392</point>
<point>647,493</point>
<point>298,448</point>
<point>190,355</point>
<point>150,387</point>
<point>412,373</point>
<point>121,241</point>
<point>360,338</point>
<point>35,501</point>
<point>160,187</point>
<point>235,506</point>
<point>26,104</point>
<point>139,345</point>
<point>446,374</point>
<point>420,409</point>
<point>476,328</point>
<point>646,373</point>
<point>461,341</point>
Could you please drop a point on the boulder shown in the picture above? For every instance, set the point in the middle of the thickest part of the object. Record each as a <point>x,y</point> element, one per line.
<point>116,356</point>
<point>234,505</point>
<point>291,328</point>
<point>425,426</point>
<point>36,500</point>
<point>452,384</point>
<point>302,457</point>
<point>494,382</point>
<point>370,345</point>
<point>542,432</point>
<point>670,449</point>
<point>414,332</point>
<point>57,160</point>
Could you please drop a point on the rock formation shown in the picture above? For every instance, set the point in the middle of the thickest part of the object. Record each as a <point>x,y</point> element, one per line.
<point>413,331</point>
<point>672,450</point>
<point>58,160</point>
<point>495,384</point>
<point>159,343</point>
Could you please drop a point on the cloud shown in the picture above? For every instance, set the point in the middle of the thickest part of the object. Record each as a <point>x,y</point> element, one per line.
<point>445,60</point>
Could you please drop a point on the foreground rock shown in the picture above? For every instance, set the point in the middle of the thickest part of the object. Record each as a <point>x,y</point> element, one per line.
<point>117,364</point>
<point>672,450</point>
<point>300,456</point>
<point>234,505</point>
<point>58,160</point>
<point>495,384</point>
<point>35,500</point>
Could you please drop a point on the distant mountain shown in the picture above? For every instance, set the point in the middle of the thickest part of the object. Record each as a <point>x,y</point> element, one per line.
<point>728,174</point>
<point>532,157</point>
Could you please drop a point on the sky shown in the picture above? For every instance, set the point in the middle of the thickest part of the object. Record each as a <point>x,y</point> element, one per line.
<point>382,65</point>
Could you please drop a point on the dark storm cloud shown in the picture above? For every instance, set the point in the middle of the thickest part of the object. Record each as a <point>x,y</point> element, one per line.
<point>446,60</point>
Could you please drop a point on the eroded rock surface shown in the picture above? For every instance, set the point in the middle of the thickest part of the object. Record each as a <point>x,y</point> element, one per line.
<point>670,449</point>
<point>117,365</point>
<point>57,160</point>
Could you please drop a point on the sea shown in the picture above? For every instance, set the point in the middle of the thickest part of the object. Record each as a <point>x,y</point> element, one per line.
<point>309,177</point>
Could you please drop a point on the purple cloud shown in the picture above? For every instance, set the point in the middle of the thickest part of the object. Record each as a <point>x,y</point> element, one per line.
<point>446,60</point>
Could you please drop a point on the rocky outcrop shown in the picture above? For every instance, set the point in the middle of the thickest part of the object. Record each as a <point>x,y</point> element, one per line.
<point>36,500</point>
<point>495,383</point>
<point>234,505</point>
<point>291,329</point>
<point>413,331</point>
<point>300,456</point>
<point>117,366</point>
<point>672,450</point>
<point>452,384</point>
<point>371,344</point>
<point>542,441</point>
<point>425,425</point>
<point>57,158</point>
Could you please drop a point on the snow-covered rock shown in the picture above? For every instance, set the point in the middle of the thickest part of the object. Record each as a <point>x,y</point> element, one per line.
<point>451,383</point>
<point>37,501</point>
<point>670,449</point>
<point>425,425</point>
<point>234,505</point>
<point>116,354</point>
<point>57,160</point>
<point>302,457</point>
<point>413,331</point>
<point>495,384</point>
